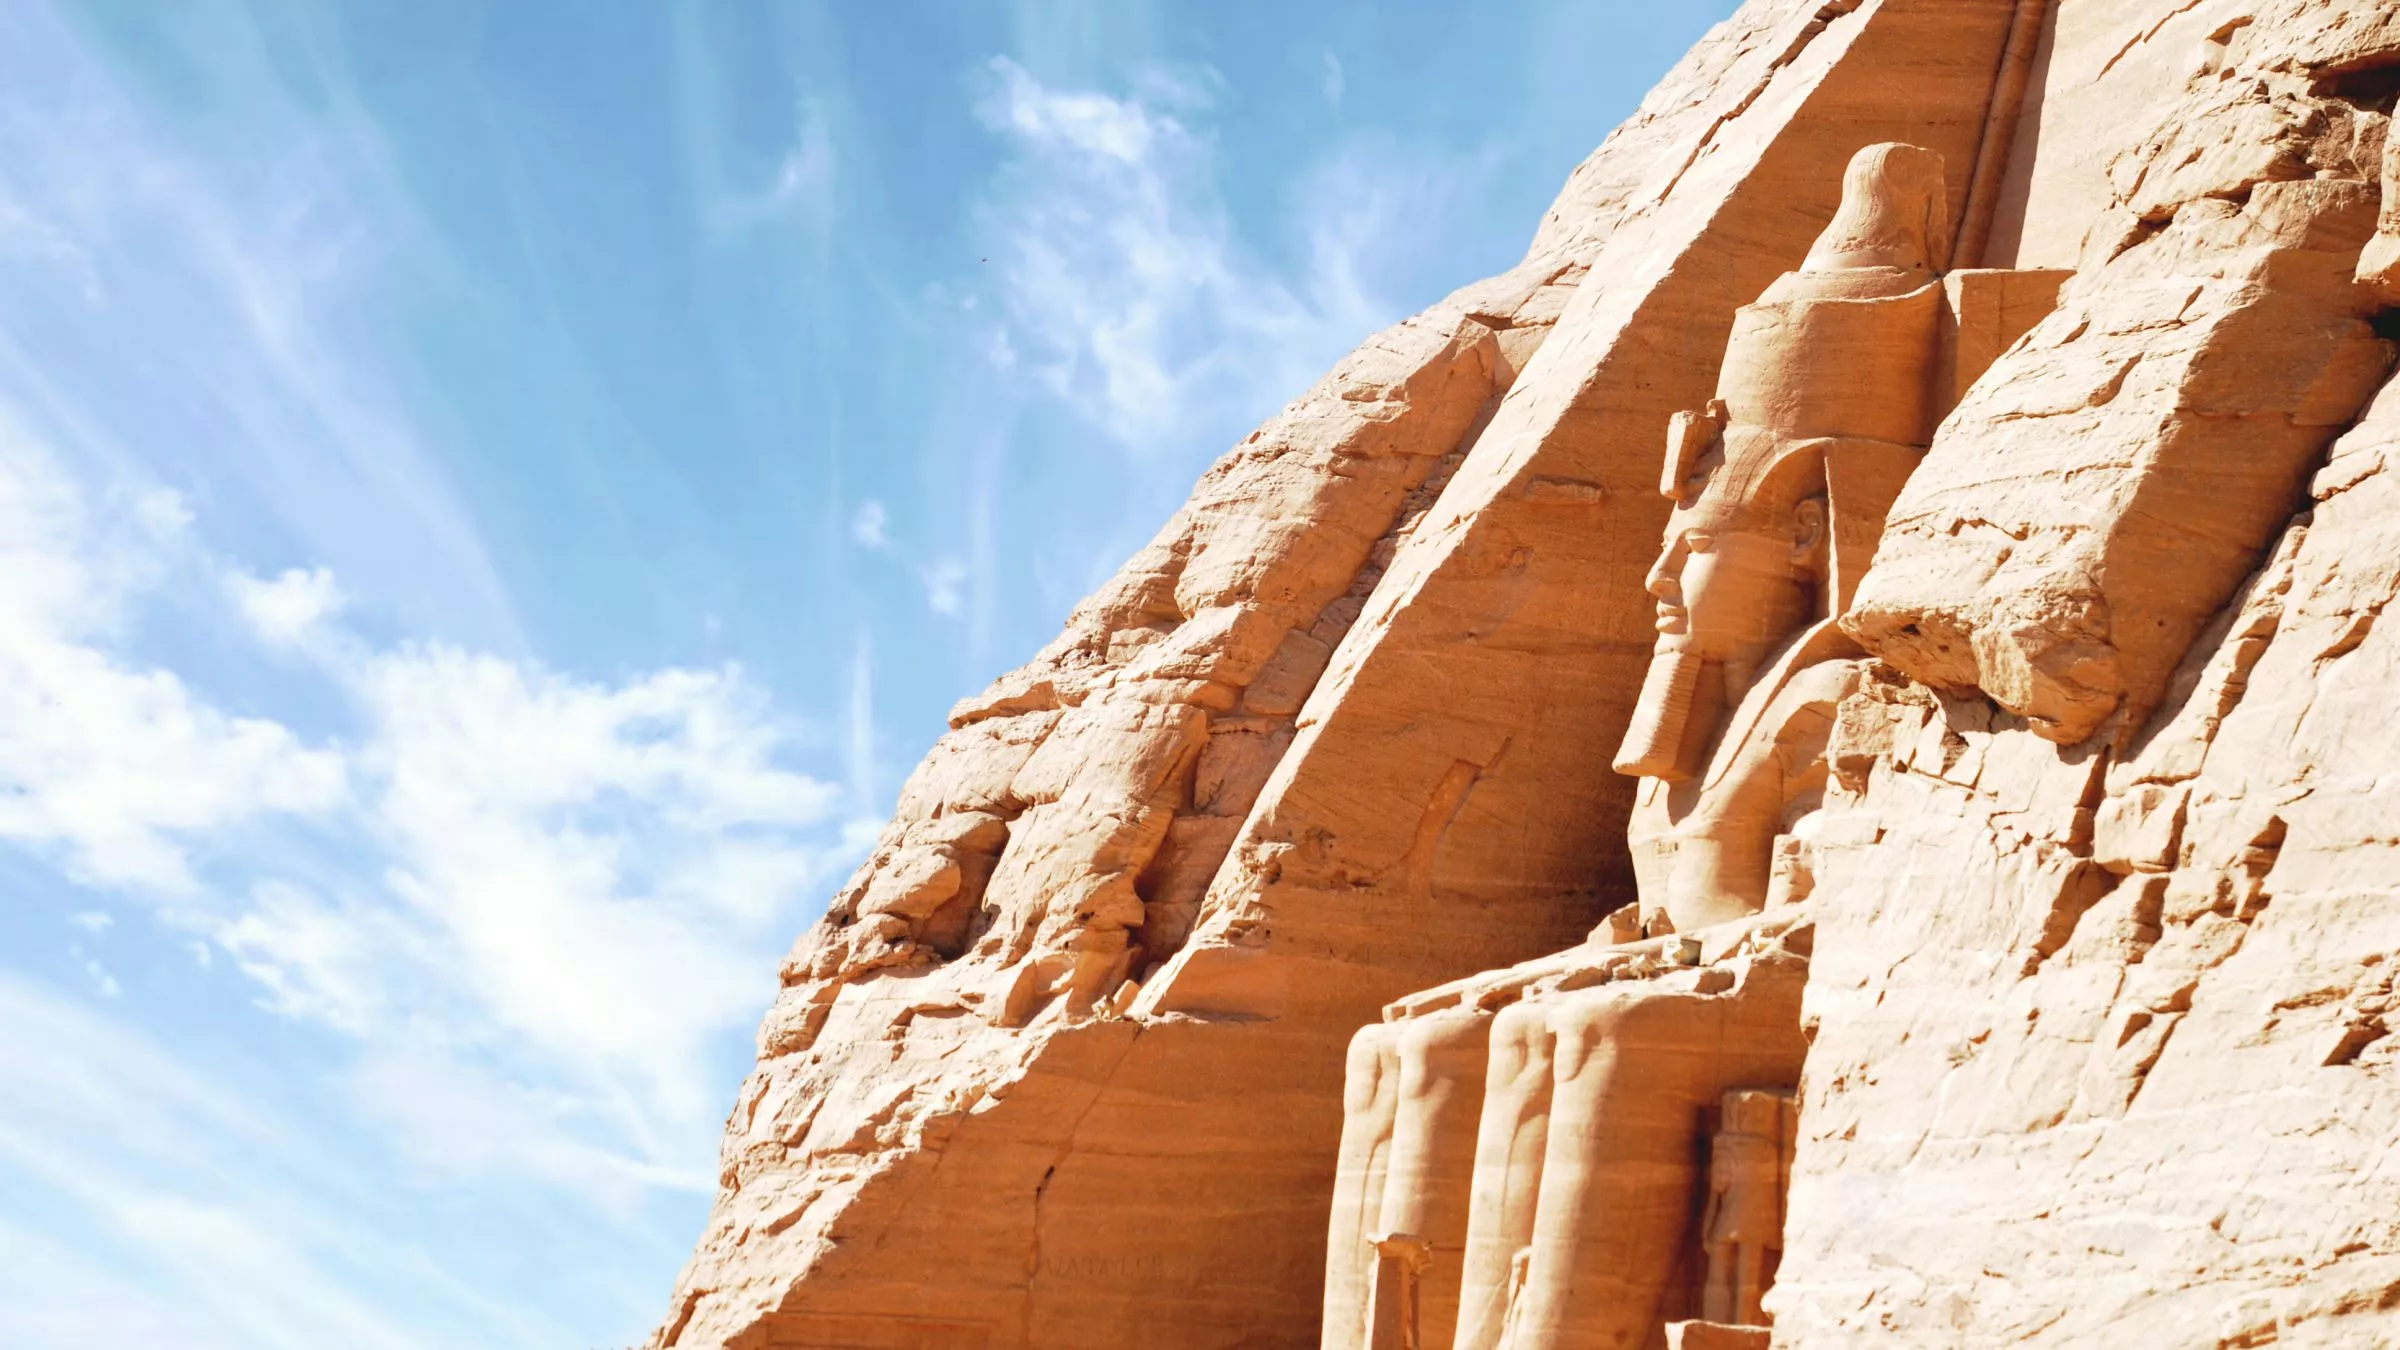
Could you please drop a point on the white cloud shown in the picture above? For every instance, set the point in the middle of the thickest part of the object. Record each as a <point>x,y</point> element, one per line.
<point>318,961</point>
<point>565,846</point>
<point>209,1222</point>
<point>1126,289</point>
<point>114,762</point>
<point>92,920</point>
<point>1083,122</point>
<point>801,187</point>
<point>121,765</point>
<point>863,791</point>
<point>945,585</point>
<point>806,171</point>
<point>1330,79</point>
<point>867,525</point>
<point>233,291</point>
<point>519,919</point>
<point>284,611</point>
<point>522,883</point>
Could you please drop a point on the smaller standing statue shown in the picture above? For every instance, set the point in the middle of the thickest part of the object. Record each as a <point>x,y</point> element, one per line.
<point>2379,265</point>
<point>1749,1171</point>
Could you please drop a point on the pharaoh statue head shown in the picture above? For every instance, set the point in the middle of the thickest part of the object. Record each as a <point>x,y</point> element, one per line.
<point>1895,213</point>
<point>1780,485</point>
<point>1743,563</point>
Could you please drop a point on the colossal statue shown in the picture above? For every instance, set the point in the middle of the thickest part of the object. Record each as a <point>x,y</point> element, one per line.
<point>1527,1139</point>
<point>2099,870</point>
<point>1780,487</point>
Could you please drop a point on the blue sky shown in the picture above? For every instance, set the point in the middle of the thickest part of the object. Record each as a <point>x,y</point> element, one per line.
<point>493,500</point>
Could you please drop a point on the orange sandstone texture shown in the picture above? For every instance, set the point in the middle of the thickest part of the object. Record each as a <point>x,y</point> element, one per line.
<point>2094,912</point>
<point>2101,1048</point>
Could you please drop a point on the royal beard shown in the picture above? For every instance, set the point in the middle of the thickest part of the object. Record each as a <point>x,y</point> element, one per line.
<point>1682,697</point>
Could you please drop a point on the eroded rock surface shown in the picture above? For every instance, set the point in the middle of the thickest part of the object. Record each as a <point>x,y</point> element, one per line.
<point>1053,847</point>
<point>2085,899</point>
<point>2128,1080</point>
<point>948,1078</point>
<point>2101,1048</point>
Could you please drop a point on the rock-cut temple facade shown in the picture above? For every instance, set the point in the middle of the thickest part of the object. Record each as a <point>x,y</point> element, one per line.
<point>1815,765</point>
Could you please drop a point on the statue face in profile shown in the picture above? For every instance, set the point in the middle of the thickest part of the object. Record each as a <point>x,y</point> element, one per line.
<point>1830,358</point>
<point>1743,550</point>
<point>1726,588</point>
<point>1736,577</point>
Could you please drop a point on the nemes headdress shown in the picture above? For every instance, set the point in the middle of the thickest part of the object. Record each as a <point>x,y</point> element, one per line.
<point>1824,394</point>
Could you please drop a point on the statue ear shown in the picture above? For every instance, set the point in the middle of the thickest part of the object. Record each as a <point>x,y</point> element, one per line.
<point>1808,535</point>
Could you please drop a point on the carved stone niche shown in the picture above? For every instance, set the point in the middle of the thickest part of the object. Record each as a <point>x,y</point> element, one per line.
<point>1749,1176</point>
<point>1400,1260</point>
<point>1517,1167</point>
<point>2379,264</point>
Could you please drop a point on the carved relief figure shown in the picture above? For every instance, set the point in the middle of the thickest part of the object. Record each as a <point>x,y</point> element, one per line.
<point>1602,1060</point>
<point>2379,264</point>
<point>1749,1163</point>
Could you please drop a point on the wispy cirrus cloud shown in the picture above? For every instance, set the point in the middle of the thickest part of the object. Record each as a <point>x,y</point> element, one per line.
<point>799,187</point>
<point>285,608</point>
<point>222,1225</point>
<point>534,913</point>
<point>239,288</point>
<point>565,884</point>
<point>1128,291</point>
<point>264,700</point>
<point>870,526</point>
<point>111,766</point>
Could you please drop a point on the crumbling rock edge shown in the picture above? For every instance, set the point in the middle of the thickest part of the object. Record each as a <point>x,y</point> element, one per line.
<point>2084,815</point>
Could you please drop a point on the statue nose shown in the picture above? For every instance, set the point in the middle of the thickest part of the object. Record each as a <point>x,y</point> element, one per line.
<point>1661,581</point>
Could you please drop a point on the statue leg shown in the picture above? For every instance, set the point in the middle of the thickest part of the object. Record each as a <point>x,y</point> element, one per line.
<point>1720,1299</point>
<point>1370,1088</point>
<point>1443,1058</point>
<point>1635,1064</point>
<point>1509,1144</point>
<point>1750,1282</point>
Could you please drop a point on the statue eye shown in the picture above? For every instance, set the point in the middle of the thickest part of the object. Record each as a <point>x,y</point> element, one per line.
<point>1699,541</point>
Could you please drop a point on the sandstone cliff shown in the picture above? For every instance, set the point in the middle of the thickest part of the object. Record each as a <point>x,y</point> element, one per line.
<point>2104,882</point>
<point>2101,1029</point>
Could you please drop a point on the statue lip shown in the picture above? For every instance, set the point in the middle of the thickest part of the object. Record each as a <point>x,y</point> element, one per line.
<point>1672,618</point>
